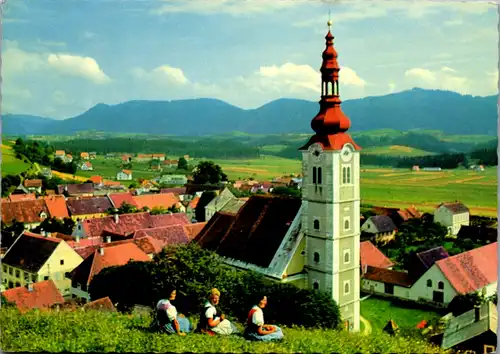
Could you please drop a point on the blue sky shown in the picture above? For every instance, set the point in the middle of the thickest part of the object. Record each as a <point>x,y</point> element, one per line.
<point>60,58</point>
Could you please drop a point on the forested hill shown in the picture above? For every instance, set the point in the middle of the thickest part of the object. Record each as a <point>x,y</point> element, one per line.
<point>446,111</point>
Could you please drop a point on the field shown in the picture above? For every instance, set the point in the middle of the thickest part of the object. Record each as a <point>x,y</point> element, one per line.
<point>396,150</point>
<point>113,332</point>
<point>11,165</point>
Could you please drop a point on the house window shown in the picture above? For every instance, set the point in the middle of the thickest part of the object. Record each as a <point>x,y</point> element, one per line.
<point>4,268</point>
<point>10,270</point>
<point>346,175</point>
<point>314,175</point>
<point>33,278</point>
<point>440,285</point>
<point>46,277</point>
<point>489,348</point>
<point>347,224</point>
<point>316,224</point>
<point>79,227</point>
<point>320,177</point>
<point>316,285</point>
<point>18,273</point>
<point>347,287</point>
<point>347,256</point>
<point>61,262</point>
<point>389,289</point>
<point>316,257</point>
<point>18,284</point>
<point>429,283</point>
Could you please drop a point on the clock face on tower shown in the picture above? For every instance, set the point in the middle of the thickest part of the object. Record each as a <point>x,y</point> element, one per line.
<point>346,153</point>
<point>316,152</point>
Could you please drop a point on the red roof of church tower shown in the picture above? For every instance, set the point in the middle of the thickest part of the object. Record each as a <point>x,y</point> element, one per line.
<point>330,124</point>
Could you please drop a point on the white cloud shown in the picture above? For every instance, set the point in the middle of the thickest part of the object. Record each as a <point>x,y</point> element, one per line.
<point>74,65</point>
<point>392,87</point>
<point>16,60</point>
<point>231,7</point>
<point>164,74</point>
<point>445,79</point>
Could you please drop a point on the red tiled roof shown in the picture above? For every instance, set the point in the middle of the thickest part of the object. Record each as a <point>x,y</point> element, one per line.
<point>85,242</point>
<point>84,206</point>
<point>372,256</point>
<point>128,172</point>
<point>111,183</point>
<point>56,204</point>
<point>44,295</point>
<point>166,236</point>
<point>148,244</point>
<point>100,304</point>
<point>60,152</point>
<point>455,208</point>
<point>96,179</point>
<point>84,154</point>
<point>114,255</point>
<point>194,203</point>
<point>35,183</point>
<point>192,230</point>
<point>119,198</point>
<point>175,190</point>
<point>82,188</point>
<point>389,276</point>
<point>20,197</point>
<point>158,155</point>
<point>129,223</point>
<point>161,200</point>
<point>472,270</point>
<point>27,211</point>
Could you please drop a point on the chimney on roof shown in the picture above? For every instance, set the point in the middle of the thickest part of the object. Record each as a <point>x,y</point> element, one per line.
<point>30,287</point>
<point>108,239</point>
<point>117,218</point>
<point>477,313</point>
<point>101,250</point>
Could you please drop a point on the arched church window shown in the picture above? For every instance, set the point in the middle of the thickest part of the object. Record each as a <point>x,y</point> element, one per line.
<point>429,283</point>
<point>320,177</point>
<point>316,257</point>
<point>346,225</point>
<point>347,257</point>
<point>330,88</point>
<point>344,174</point>
<point>348,172</point>
<point>346,288</point>
<point>314,175</point>
<point>315,285</point>
<point>316,224</point>
<point>441,285</point>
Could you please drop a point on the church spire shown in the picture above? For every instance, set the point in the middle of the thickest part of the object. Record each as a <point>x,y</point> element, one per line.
<point>330,124</point>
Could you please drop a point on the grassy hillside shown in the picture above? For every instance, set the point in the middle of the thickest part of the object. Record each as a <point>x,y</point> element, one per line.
<point>396,150</point>
<point>114,332</point>
<point>10,164</point>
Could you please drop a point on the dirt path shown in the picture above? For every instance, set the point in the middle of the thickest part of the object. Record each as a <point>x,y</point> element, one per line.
<point>69,176</point>
<point>368,326</point>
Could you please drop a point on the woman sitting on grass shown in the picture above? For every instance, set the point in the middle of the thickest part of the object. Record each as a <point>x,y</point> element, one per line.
<point>256,329</point>
<point>212,320</point>
<point>167,316</point>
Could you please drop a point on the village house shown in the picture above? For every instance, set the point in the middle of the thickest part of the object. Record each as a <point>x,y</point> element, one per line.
<point>160,200</point>
<point>69,158</point>
<point>264,187</point>
<point>397,215</point>
<point>273,221</point>
<point>46,172</point>
<point>159,157</point>
<point>464,273</point>
<point>452,215</point>
<point>170,163</point>
<point>144,157</point>
<point>115,255</point>
<point>415,168</point>
<point>76,190</point>
<point>474,330</point>
<point>124,175</point>
<point>146,186</point>
<point>180,192</point>
<point>86,208</point>
<point>216,204</point>
<point>118,199</point>
<point>92,155</point>
<point>126,224</point>
<point>84,155</point>
<point>373,257</point>
<point>126,158</point>
<point>33,258</point>
<point>156,168</point>
<point>41,295</point>
<point>423,261</point>
<point>173,179</point>
<point>19,197</point>
<point>29,212</point>
<point>86,166</point>
<point>60,154</point>
<point>33,185</point>
<point>56,205</point>
<point>97,181</point>
<point>380,228</point>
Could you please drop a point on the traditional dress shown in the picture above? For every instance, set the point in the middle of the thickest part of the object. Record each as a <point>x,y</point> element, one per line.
<point>209,311</point>
<point>254,321</point>
<point>166,314</point>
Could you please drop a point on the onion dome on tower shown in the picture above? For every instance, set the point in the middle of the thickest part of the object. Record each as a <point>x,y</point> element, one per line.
<point>330,124</point>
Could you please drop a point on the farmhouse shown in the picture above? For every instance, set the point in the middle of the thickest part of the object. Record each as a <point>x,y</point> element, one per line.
<point>33,258</point>
<point>97,181</point>
<point>56,205</point>
<point>170,163</point>
<point>452,215</point>
<point>115,255</point>
<point>76,190</point>
<point>144,157</point>
<point>372,257</point>
<point>41,295</point>
<point>92,155</point>
<point>387,282</point>
<point>423,261</point>
<point>84,155</point>
<point>118,199</point>
<point>159,157</point>
<point>86,166</point>
<point>474,330</point>
<point>29,212</point>
<point>381,228</point>
<point>173,179</point>
<point>60,154</point>
<point>33,185</point>
<point>124,175</point>
<point>19,197</point>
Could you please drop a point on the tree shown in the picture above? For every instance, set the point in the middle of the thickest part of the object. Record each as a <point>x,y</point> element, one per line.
<point>64,226</point>
<point>11,232</point>
<point>207,172</point>
<point>205,198</point>
<point>293,192</point>
<point>466,302</point>
<point>125,208</point>
<point>182,164</point>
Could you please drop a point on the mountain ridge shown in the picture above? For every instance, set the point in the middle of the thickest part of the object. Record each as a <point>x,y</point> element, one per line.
<point>446,111</point>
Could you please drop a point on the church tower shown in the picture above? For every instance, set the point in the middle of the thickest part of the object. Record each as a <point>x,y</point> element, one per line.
<point>330,194</point>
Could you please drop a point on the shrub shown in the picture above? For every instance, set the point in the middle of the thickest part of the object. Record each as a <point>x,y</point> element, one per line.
<point>194,271</point>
